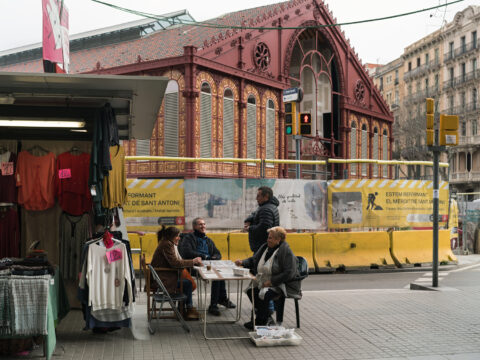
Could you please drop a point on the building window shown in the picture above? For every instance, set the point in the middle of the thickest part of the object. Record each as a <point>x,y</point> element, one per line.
<point>474,99</point>
<point>463,99</point>
<point>353,147</point>
<point>171,119</point>
<point>364,148</point>
<point>397,97</point>
<point>381,83</point>
<point>474,127</point>
<point>396,77</point>
<point>464,128</point>
<point>270,131</point>
<point>228,124</point>
<point>474,39</point>
<point>409,66</point>
<point>251,127</point>
<point>464,72</point>
<point>450,103</point>
<point>450,50</point>
<point>385,152</point>
<point>418,62</point>
<point>409,89</point>
<point>436,82</point>
<point>463,44</point>
<point>205,121</point>
<point>437,56</point>
<point>375,151</point>
<point>427,58</point>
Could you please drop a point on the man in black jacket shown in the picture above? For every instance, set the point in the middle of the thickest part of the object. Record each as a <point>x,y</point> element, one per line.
<point>198,244</point>
<point>265,217</point>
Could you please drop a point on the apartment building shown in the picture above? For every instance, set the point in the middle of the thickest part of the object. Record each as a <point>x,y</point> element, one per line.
<point>442,66</point>
<point>461,81</point>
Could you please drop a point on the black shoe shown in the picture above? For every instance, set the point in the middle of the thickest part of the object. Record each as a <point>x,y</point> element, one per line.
<point>249,325</point>
<point>227,303</point>
<point>213,309</point>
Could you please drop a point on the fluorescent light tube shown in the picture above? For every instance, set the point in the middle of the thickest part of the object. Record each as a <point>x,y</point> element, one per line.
<point>42,123</point>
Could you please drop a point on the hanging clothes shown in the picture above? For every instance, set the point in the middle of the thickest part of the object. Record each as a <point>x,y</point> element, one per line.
<point>72,183</point>
<point>115,183</point>
<point>8,189</point>
<point>35,179</point>
<point>107,281</point>
<point>74,232</point>
<point>9,232</point>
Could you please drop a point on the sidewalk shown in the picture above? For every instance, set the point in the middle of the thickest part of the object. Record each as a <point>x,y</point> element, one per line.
<point>354,324</point>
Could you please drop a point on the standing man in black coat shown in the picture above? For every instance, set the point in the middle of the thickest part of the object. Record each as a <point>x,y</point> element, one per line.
<point>265,217</point>
<point>198,244</point>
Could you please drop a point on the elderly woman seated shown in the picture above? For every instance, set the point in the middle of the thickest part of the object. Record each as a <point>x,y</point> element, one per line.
<point>276,268</point>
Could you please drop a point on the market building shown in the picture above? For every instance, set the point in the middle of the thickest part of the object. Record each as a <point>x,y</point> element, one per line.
<point>224,98</point>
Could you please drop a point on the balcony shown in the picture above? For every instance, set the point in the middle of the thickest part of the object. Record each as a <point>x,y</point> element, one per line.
<point>459,177</point>
<point>464,49</point>
<point>449,84</point>
<point>469,140</point>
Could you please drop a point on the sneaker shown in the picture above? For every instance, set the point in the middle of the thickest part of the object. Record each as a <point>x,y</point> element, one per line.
<point>249,325</point>
<point>213,309</point>
<point>227,303</point>
<point>192,314</point>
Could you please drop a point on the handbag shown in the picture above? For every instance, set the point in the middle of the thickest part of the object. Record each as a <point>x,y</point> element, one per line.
<point>186,275</point>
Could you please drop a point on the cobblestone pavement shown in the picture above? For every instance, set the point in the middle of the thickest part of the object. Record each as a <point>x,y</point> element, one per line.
<point>348,324</point>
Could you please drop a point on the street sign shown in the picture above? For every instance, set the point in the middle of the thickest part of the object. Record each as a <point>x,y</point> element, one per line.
<point>292,94</point>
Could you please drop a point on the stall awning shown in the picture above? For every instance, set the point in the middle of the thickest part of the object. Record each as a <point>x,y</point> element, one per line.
<point>63,97</point>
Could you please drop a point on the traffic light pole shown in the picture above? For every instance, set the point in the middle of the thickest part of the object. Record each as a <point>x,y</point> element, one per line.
<point>436,153</point>
<point>298,142</point>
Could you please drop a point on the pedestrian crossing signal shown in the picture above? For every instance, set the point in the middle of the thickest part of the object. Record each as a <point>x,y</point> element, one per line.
<point>306,124</point>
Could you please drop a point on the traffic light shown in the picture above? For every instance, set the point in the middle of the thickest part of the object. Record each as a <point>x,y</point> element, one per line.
<point>430,105</point>
<point>448,129</point>
<point>290,118</point>
<point>305,124</point>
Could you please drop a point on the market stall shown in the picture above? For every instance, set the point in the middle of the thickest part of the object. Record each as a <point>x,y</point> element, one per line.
<point>62,183</point>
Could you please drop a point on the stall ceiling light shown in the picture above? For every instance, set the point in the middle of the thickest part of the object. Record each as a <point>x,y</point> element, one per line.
<point>43,123</point>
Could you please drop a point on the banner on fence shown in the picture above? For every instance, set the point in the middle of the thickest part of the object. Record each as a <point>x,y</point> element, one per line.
<point>152,202</point>
<point>384,203</point>
<point>225,203</point>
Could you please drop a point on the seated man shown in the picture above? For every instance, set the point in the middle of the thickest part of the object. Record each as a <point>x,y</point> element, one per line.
<point>198,244</point>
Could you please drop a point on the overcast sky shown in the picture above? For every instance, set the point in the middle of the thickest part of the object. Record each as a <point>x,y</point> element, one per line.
<point>375,42</point>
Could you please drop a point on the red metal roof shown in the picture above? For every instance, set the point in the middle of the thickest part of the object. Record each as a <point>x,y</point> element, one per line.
<point>159,45</point>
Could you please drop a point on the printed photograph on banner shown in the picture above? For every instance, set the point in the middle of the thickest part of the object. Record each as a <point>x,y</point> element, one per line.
<point>154,202</point>
<point>347,208</point>
<point>219,201</point>
<point>302,203</point>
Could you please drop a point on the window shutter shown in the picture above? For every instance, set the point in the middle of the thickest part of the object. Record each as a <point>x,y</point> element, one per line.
<point>251,131</point>
<point>270,134</point>
<point>364,151</point>
<point>171,124</point>
<point>353,150</point>
<point>228,128</point>
<point>143,148</point>
<point>385,154</point>
<point>205,125</point>
<point>375,154</point>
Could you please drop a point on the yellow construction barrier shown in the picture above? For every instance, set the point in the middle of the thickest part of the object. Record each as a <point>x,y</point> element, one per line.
<point>351,250</point>
<point>149,245</point>
<point>135,244</point>
<point>416,247</point>
<point>302,245</point>
<point>238,246</point>
<point>221,242</point>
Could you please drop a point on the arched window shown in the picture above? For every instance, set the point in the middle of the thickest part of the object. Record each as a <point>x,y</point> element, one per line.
<point>375,151</point>
<point>353,147</point>
<point>270,131</point>
<point>364,149</point>
<point>228,124</point>
<point>251,127</point>
<point>171,119</point>
<point>385,152</point>
<point>205,121</point>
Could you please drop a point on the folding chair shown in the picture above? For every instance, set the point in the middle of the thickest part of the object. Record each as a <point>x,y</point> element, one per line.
<point>162,296</point>
<point>280,303</point>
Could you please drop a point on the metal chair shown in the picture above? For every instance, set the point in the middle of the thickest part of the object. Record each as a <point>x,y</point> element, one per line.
<point>161,296</point>
<point>280,303</point>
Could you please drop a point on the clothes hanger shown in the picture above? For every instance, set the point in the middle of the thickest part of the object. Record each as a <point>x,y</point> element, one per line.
<point>75,150</point>
<point>38,147</point>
